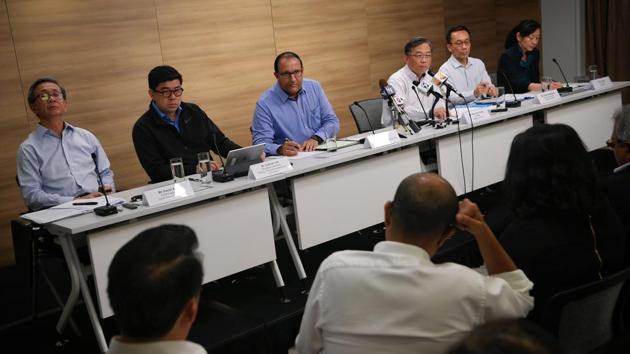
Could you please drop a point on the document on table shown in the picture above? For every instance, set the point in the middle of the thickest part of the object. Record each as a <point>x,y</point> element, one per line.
<point>69,209</point>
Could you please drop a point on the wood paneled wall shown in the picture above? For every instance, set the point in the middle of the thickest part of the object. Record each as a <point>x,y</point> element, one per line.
<point>101,51</point>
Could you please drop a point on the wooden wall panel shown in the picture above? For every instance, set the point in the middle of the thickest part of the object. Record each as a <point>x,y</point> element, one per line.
<point>14,131</point>
<point>226,60</point>
<point>101,52</point>
<point>331,37</point>
<point>391,24</point>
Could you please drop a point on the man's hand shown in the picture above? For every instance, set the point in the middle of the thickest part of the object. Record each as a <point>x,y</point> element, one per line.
<point>289,148</point>
<point>469,218</point>
<point>440,113</point>
<point>310,145</point>
<point>481,89</point>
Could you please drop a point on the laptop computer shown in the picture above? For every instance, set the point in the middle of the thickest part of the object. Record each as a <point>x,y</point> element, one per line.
<point>238,161</point>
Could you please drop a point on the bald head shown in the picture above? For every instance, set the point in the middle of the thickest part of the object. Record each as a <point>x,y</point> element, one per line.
<point>424,206</point>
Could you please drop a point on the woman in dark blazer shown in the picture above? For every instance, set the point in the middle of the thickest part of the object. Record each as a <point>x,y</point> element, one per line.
<point>563,232</point>
<point>521,59</point>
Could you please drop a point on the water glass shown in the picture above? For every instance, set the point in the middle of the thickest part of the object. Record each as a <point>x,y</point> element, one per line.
<point>546,82</point>
<point>500,97</point>
<point>203,167</point>
<point>593,72</point>
<point>177,168</point>
<point>331,143</point>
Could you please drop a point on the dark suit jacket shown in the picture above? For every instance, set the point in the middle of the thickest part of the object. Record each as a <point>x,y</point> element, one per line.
<point>520,77</point>
<point>618,189</point>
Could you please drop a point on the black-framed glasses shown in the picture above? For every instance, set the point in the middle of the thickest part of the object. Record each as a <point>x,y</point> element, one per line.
<point>286,75</point>
<point>167,92</point>
<point>45,96</point>
<point>461,43</point>
<point>611,144</point>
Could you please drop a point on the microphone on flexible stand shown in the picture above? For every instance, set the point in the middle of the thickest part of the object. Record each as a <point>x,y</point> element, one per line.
<point>106,209</point>
<point>220,176</point>
<point>516,102</point>
<point>398,115</point>
<point>567,88</point>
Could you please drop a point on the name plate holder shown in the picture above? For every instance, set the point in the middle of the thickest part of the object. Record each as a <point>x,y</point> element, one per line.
<point>270,167</point>
<point>546,97</point>
<point>381,139</point>
<point>167,193</point>
<point>601,83</point>
<point>477,115</point>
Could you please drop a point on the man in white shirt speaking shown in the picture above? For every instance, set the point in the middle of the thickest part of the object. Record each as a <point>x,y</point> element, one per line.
<point>394,299</point>
<point>467,74</point>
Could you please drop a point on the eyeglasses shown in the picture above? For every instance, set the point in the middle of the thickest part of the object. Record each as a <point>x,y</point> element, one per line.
<point>167,93</point>
<point>297,74</point>
<point>45,96</point>
<point>461,43</point>
<point>421,56</point>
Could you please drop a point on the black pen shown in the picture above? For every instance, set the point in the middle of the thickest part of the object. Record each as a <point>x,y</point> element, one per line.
<point>85,203</point>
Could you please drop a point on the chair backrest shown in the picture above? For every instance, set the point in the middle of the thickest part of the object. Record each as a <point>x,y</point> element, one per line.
<point>374,109</point>
<point>583,318</point>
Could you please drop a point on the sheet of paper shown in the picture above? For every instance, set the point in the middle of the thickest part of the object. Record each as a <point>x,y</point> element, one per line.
<point>69,209</point>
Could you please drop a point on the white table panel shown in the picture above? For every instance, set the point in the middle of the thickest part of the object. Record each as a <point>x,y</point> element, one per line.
<point>591,118</point>
<point>347,198</point>
<point>234,234</point>
<point>491,147</point>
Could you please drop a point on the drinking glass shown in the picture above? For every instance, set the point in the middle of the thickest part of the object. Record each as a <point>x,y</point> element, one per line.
<point>546,82</point>
<point>203,167</point>
<point>500,97</point>
<point>177,168</point>
<point>331,143</point>
<point>593,72</point>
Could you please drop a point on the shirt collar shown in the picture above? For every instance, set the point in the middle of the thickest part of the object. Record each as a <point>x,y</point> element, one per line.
<point>282,94</point>
<point>163,115</point>
<point>42,130</point>
<point>623,167</point>
<point>404,249</point>
<point>456,64</point>
<point>409,73</point>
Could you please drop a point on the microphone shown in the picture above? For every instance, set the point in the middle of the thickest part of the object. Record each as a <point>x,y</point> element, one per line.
<point>106,209</point>
<point>426,87</point>
<point>567,88</point>
<point>220,176</point>
<point>388,93</point>
<point>441,79</point>
<point>516,102</point>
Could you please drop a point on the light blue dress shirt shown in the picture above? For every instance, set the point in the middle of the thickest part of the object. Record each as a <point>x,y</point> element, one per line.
<point>278,117</point>
<point>465,78</point>
<point>52,170</point>
<point>166,118</point>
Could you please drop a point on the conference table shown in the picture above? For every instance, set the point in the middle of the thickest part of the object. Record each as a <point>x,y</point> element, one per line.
<point>333,194</point>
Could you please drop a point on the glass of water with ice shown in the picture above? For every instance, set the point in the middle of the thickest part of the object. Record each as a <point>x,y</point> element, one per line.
<point>177,168</point>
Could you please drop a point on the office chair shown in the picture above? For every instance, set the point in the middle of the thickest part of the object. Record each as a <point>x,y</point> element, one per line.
<point>374,109</point>
<point>586,317</point>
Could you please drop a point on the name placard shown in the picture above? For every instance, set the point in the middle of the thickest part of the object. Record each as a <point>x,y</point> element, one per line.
<point>476,115</point>
<point>601,83</point>
<point>548,97</point>
<point>381,139</point>
<point>269,168</point>
<point>168,193</point>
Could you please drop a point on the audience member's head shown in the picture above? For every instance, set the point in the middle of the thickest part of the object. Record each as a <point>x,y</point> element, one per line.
<point>507,337</point>
<point>47,98</point>
<point>526,30</point>
<point>620,139</point>
<point>423,210</point>
<point>154,283</point>
<point>549,172</point>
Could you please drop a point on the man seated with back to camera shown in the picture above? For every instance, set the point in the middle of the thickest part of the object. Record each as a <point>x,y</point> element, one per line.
<point>172,128</point>
<point>394,299</point>
<point>54,164</point>
<point>154,283</point>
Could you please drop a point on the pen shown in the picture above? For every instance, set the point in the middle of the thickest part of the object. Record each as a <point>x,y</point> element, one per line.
<point>85,203</point>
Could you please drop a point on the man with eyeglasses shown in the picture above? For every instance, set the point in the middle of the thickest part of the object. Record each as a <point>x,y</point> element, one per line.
<point>54,164</point>
<point>417,58</point>
<point>293,115</point>
<point>618,183</point>
<point>172,128</point>
<point>467,74</point>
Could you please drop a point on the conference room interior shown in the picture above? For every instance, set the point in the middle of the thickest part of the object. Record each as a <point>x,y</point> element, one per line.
<point>101,52</point>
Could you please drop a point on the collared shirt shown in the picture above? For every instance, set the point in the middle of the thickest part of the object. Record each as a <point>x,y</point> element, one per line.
<point>53,170</point>
<point>465,78</point>
<point>166,118</point>
<point>278,118</point>
<point>395,300</point>
<point>157,347</point>
<point>402,81</point>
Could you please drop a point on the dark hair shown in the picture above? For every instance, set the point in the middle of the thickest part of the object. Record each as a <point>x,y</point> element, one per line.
<point>32,95</point>
<point>152,277</point>
<point>161,74</point>
<point>524,28</point>
<point>424,204</point>
<point>285,55</point>
<point>414,42</point>
<point>507,337</point>
<point>621,120</point>
<point>455,28</point>
<point>549,172</point>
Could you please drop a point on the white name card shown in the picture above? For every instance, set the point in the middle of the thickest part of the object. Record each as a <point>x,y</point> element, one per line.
<point>270,167</point>
<point>381,139</point>
<point>167,193</point>
<point>548,97</point>
<point>477,115</point>
<point>601,83</point>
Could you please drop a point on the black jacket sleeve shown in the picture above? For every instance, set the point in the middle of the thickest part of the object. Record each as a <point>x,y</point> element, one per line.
<point>148,152</point>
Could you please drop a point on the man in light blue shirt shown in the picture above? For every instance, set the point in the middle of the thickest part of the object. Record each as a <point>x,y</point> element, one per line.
<point>467,74</point>
<point>54,164</point>
<point>294,115</point>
